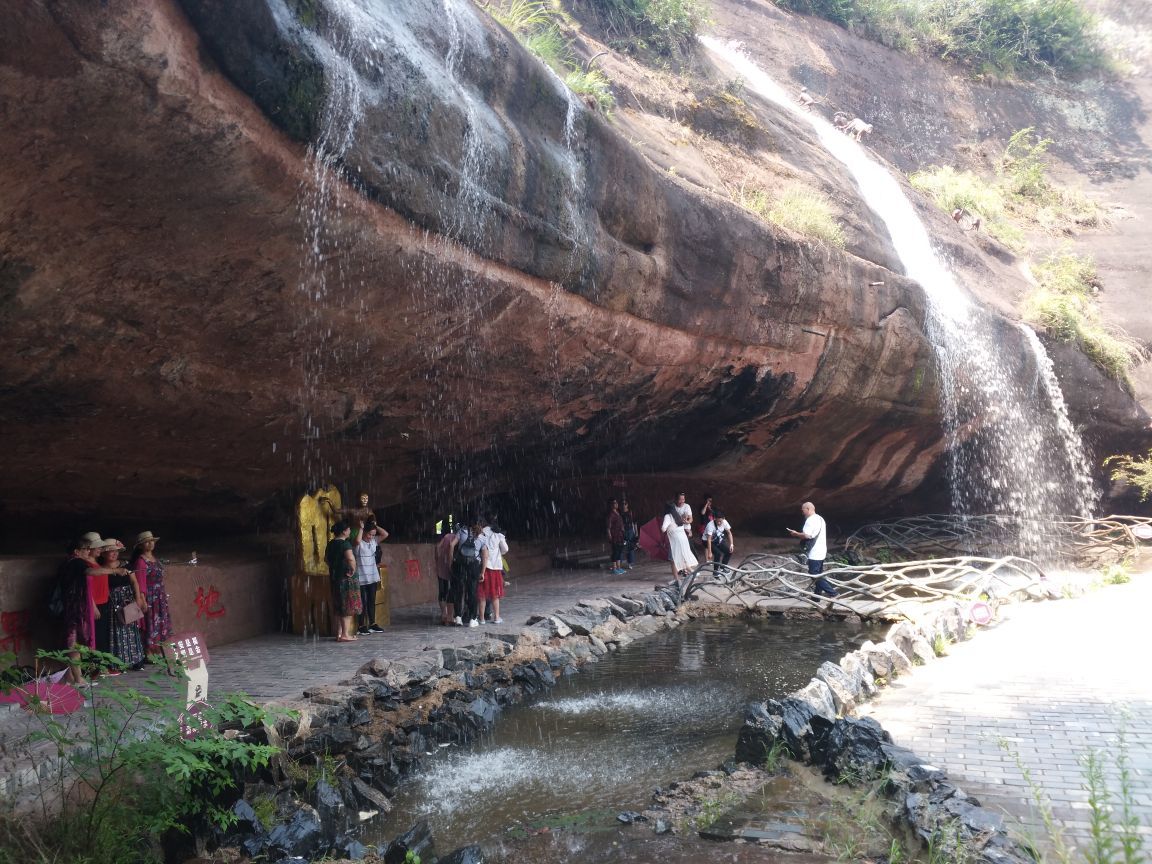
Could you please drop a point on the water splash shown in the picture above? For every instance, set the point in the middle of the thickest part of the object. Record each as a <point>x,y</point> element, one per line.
<point>1012,448</point>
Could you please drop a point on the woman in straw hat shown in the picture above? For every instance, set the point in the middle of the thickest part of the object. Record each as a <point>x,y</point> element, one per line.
<point>123,591</point>
<point>157,623</point>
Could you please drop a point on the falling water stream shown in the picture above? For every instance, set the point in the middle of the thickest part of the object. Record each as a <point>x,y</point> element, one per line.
<point>1012,448</point>
<point>601,740</point>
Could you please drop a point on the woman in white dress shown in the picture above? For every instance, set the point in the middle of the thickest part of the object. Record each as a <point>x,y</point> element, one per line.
<point>676,531</point>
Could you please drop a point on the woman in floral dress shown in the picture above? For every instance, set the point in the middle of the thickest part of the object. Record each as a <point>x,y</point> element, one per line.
<point>123,591</point>
<point>157,622</point>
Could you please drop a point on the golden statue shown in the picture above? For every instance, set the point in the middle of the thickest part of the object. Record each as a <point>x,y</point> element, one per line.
<point>310,594</point>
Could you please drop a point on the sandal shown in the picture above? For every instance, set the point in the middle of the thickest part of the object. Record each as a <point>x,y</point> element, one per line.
<point>346,639</point>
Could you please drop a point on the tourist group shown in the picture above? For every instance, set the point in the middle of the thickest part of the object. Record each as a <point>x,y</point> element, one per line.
<point>107,604</point>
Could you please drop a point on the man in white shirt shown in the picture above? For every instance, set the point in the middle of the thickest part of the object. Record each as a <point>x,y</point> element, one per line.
<point>720,540</point>
<point>815,533</point>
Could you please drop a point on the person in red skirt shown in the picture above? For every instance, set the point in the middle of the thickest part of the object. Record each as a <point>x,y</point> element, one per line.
<point>493,548</point>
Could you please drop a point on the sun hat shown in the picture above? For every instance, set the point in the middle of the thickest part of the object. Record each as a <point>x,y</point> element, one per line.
<point>90,540</point>
<point>144,536</point>
<point>112,543</point>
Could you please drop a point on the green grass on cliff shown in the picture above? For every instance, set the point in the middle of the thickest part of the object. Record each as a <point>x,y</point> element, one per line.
<point>1064,305</point>
<point>997,37</point>
<point>1021,195</point>
<point>541,27</point>
<point>798,209</point>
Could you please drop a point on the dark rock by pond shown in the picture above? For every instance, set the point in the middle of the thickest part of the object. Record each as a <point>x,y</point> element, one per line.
<point>302,834</point>
<point>416,840</point>
<point>465,855</point>
<point>859,750</point>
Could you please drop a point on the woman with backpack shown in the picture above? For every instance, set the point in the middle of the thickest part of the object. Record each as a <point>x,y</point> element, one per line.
<point>466,571</point>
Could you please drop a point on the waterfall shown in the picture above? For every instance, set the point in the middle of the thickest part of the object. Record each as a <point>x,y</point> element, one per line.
<point>1011,447</point>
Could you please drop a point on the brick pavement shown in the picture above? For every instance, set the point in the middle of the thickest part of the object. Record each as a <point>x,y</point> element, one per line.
<point>1052,680</point>
<point>279,666</point>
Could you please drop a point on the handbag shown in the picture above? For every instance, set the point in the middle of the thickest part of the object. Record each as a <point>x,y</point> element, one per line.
<point>130,614</point>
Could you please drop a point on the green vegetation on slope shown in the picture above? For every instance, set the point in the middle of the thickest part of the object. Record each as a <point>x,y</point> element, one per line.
<point>1023,196</point>
<point>1064,305</point>
<point>665,27</point>
<point>1000,37</point>
<point>539,25</point>
<point>798,209</point>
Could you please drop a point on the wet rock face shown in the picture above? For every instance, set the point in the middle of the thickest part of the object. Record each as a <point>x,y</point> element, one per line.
<point>481,295</point>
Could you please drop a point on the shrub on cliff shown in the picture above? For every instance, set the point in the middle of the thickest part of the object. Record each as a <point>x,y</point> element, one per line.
<point>1002,37</point>
<point>1064,305</point>
<point>798,209</point>
<point>667,27</point>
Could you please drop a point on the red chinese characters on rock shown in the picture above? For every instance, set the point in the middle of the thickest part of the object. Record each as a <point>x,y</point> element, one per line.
<point>412,570</point>
<point>208,603</point>
<point>14,630</point>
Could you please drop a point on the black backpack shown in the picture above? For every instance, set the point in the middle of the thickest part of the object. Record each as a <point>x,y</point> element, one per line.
<point>469,549</point>
<point>56,600</point>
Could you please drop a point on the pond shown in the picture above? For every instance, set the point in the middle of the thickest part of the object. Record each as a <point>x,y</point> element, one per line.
<point>601,740</point>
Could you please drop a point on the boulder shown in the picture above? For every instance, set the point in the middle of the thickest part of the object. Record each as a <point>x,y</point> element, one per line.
<point>583,619</point>
<point>897,659</point>
<point>841,686</point>
<point>406,671</point>
<point>464,855</point>
<point>855,749</point>
<point>369,798</point>
<point>302,834</point>
<point>922,651</point>
<point>417,840</point>
<point>859,671</point>
<point>759,734</point>
<point>330,808</point>
<point>377,667</point>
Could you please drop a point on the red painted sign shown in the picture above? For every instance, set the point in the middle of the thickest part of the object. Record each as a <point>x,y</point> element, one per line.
<point>208,603</point>
<point>14,627</point>
<point>412,570</point>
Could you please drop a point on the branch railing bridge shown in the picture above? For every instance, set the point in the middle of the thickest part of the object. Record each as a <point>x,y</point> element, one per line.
<point>975,560</point>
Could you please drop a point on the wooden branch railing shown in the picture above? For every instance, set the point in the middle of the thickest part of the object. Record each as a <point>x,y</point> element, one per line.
<point>868,589</point>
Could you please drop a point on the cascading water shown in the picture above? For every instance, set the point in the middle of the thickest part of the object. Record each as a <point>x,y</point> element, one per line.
<point>1012,448</point>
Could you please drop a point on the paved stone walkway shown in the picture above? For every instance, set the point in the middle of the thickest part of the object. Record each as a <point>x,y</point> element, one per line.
<point>280,666</point>
<point>1052,681</point>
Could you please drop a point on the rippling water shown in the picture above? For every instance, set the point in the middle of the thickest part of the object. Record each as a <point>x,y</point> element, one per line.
<point>601,740</point>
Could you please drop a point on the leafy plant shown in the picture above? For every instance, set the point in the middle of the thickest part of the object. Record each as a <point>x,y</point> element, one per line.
<point>1133,470</point>
<point>1116,574</point>
<point>776,756</point>
<point>129,773</point>
<point>940,645</point>
<point>592,83</point>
